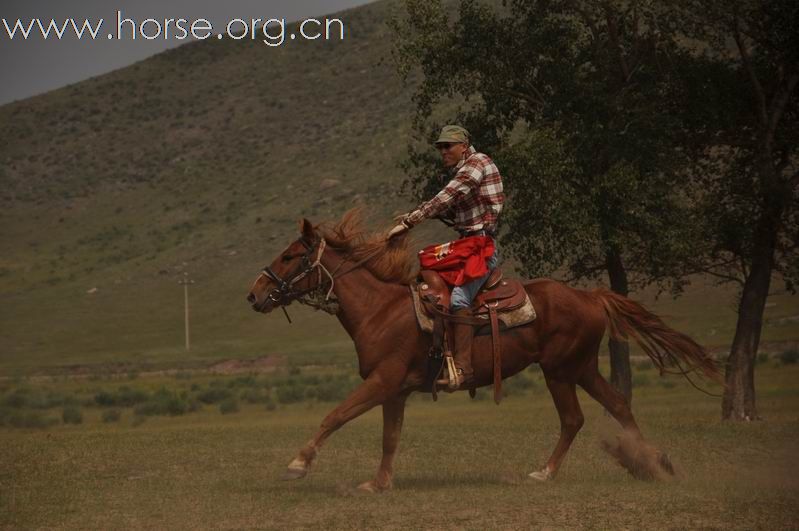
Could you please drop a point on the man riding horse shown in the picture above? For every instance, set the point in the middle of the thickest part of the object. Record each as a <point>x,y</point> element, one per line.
<point>474,200</point>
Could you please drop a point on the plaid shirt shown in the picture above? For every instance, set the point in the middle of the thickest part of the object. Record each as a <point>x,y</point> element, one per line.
<point>474,194</point>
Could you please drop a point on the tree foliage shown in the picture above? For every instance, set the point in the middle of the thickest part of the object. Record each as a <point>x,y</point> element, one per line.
<point>575,103</point>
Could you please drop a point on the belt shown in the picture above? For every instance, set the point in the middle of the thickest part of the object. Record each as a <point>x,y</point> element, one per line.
<point>481,232</point>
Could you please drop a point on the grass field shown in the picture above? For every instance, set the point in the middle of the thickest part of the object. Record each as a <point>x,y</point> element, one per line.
<point>462,463</point>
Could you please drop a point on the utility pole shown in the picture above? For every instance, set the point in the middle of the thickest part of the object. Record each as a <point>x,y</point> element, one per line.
<point>186,281</point>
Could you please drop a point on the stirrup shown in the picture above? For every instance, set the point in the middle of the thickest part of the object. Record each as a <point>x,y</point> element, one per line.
<point>458,381</point>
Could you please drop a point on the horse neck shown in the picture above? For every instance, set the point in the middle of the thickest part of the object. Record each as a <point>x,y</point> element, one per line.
<point>360,294</point>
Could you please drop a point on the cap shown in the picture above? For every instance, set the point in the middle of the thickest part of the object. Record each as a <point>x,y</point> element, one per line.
<point>454,134</point>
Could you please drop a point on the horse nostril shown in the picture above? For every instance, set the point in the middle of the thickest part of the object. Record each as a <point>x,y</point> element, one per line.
<point>251,298</point>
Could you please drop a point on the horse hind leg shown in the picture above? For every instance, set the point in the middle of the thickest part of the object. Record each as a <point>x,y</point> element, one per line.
<point>571,420</point>
<point>641,459</point>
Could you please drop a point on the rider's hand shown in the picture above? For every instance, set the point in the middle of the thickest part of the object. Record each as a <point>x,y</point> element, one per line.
<point>396,231</point>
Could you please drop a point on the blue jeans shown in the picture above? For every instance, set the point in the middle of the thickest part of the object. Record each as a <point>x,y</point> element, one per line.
<point>462,296</point>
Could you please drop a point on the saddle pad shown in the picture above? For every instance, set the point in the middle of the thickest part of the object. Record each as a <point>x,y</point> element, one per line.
<point>518,317</point>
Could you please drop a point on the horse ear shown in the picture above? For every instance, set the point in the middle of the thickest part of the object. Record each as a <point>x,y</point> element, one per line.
<point>307,230</point>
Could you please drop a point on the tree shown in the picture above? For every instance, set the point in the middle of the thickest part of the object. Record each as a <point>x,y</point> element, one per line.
<point>744,122</point>
<point>578,103</point>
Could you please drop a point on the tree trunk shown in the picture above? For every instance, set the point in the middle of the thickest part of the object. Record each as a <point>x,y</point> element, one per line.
<point>739,393</point>
<point>620,374</point>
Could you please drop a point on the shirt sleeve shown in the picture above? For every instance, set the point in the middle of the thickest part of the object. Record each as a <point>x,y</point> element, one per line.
<point>466,180</point>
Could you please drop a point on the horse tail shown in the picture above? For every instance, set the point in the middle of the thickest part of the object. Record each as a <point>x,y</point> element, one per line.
<point>664,345</point>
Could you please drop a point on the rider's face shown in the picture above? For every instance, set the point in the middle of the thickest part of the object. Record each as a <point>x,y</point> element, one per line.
<point>451,153</point>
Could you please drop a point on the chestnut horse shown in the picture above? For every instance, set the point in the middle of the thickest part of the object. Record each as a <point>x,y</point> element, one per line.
<point>363,279</point>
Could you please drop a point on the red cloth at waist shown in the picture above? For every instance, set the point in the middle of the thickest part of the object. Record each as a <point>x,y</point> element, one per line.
<point>460,261</point>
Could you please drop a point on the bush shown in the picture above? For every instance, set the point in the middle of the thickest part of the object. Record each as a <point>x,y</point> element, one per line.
<point>27,419</point>
<point>289,394</point>
<point>71,415</point>
<point>111,415</point>
<point>124,397</point>
<point>163,402</point>
<point>332,390</point>
<point>789,357</point>
<point>644,365</point>
<point>18,399</point>
<point>214,394</point>
<point>270,405</point>
<point>229,405</point>
<point>640,380</point>
<point>243,381</point>
<point>255,396</point>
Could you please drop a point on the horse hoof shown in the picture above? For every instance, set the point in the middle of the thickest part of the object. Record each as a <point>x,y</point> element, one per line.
<point>541,475</point>
<point>372,487</point>
<point>296,470</point>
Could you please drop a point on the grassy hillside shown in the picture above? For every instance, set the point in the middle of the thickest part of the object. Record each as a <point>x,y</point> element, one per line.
<point>200,160</point>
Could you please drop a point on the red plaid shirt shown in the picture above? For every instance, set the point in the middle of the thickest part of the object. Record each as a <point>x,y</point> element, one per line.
<point>474,194</point>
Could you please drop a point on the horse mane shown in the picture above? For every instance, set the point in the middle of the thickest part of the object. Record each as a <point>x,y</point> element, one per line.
<point>392,260</point>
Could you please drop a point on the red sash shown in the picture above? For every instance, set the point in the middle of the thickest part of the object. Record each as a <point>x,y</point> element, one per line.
<point>460,261</point>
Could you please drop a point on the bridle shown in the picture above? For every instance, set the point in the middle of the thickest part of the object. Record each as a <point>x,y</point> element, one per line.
<point>285,291</point>
<point>319,296</point>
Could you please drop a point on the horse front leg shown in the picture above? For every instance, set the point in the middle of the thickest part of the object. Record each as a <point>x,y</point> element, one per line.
<point>393,415</point>
<point>375,390</point>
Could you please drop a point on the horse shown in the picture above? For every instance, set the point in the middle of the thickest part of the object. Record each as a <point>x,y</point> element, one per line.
<point>363,278</point>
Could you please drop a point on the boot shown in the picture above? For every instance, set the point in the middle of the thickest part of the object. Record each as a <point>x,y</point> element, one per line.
<point>463,335</point>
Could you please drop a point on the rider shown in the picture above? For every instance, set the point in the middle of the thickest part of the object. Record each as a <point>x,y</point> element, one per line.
<point>474,196</point>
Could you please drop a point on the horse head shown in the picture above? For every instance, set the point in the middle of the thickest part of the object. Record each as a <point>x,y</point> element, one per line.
<point>291,274</point>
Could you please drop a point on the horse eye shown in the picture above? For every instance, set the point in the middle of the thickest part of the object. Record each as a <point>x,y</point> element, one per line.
<point>287,258</point>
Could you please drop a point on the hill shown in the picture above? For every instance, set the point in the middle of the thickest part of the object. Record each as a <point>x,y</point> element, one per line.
<point>198,160</point>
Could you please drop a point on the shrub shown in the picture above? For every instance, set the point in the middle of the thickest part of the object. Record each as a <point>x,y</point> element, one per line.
<point>229,405</point>
<point>640,380</point>
<point>255,396</point>
<point>138,420</point>
<point>270,405</point>
<point>124,397</point>
<point>762,358</point>
<point>332,390</point>
<point>111,415</point>
<point>643,365</point>
<point>289,394</point>
<point>789,357</point>
<point>163,402</point>
<point>71,415</point>
<point>24,419</point>
<point>213,395</point>
<point>243,381</point>
<point>18,399</point>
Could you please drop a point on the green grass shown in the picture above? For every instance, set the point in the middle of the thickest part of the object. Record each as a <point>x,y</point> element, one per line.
<point>462,464</point>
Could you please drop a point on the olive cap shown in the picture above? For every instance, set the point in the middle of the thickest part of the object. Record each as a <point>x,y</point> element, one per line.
<point>454,134</point>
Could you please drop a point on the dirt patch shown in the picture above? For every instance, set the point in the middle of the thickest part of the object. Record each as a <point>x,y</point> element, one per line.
<point>262,364</point>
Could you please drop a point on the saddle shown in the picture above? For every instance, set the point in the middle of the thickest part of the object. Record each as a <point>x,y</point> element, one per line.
<point>500,301</point>
<point>501,295</point>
